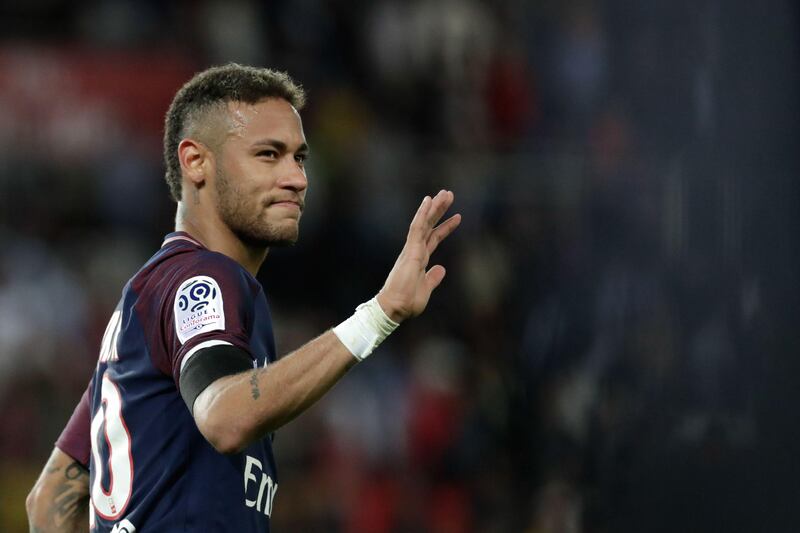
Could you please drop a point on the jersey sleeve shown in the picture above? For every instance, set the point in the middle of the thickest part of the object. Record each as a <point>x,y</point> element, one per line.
<point>211,304</point>
<point>74,439</point>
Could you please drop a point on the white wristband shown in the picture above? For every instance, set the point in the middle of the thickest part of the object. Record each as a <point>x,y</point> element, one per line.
<point>365,330</point>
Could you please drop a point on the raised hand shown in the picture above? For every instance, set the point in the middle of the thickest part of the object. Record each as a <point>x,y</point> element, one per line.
<point>409,286</point>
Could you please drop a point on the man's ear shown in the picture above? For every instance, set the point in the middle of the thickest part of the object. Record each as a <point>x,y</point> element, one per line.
<point>196,161</point>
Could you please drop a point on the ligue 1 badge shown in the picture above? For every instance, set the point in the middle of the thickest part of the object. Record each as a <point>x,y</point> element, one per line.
<point>198,307</point>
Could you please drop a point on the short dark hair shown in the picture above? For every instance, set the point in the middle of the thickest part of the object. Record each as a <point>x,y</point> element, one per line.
<point>211,89</point>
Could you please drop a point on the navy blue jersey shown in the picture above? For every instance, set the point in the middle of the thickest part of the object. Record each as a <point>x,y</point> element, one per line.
<point>150,467</point>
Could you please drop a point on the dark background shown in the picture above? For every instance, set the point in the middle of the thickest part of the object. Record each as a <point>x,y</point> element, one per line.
<point>615,347</point>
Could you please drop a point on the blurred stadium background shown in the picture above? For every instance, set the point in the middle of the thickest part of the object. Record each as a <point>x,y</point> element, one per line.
<point>615,348</point>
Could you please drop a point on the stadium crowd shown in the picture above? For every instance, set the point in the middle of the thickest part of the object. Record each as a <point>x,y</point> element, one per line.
<point>591,363</point>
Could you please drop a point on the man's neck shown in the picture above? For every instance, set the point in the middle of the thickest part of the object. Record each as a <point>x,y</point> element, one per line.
<point>217,236</point>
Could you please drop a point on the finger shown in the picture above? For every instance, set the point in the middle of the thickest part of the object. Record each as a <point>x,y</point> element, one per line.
<point>439,206</point>
<point>417,228</point>
<point>442,231</point>
<point>434,277</point>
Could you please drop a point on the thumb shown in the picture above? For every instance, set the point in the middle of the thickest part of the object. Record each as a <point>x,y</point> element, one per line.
<point>434,277</point>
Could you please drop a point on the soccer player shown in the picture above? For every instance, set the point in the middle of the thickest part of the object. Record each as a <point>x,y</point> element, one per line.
<point>174,430</point>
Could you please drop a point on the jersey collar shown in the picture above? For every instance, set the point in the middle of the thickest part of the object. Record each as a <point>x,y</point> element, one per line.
<point>180,236</point>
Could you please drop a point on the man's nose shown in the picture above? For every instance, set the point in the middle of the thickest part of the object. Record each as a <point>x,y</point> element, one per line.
<point>294,176</point>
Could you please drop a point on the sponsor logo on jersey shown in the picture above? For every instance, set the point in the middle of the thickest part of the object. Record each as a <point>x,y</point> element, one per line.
<point>198,307</point>
<point>258,493</point>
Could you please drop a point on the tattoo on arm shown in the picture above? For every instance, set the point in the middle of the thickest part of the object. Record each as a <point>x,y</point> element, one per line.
<point>70,501</point>
<point>254,388</point>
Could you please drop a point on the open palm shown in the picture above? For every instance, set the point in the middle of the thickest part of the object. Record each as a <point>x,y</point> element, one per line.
<point>410,283</point>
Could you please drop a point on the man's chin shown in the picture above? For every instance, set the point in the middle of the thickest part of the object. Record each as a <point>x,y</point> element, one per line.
<point>282,243</point>
<point>269,238</point>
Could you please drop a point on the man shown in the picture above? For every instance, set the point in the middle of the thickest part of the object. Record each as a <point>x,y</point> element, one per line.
<point>175,426</point>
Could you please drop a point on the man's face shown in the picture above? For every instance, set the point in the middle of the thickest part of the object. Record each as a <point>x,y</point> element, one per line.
<point>261,180</point>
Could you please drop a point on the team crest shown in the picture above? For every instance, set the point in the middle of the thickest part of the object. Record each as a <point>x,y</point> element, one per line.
<point>198,308</point>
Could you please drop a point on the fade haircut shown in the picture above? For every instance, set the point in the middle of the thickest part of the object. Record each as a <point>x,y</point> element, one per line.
<point>209,92</point>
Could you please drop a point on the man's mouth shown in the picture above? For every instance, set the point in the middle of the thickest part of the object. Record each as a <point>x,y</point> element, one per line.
<point>289,204</point>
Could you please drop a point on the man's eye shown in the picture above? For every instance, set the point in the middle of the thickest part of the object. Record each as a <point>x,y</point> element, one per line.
<point>301,158</point>
<point>270,154</point>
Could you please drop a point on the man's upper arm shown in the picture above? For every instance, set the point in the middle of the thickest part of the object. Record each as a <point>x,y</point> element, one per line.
<point>208,321</point>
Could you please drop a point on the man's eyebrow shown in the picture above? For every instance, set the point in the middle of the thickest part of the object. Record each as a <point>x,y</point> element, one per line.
<point>281,146</point>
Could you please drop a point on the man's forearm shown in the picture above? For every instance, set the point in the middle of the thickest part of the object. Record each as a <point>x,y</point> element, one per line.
<point>60,499</point>
<point>236,410</point>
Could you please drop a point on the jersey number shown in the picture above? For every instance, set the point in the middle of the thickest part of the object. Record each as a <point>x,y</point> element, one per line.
<point>109,425</point>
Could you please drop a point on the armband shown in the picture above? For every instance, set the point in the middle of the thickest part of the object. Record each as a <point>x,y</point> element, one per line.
<point>365,330</point>
<point>209,365</point>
